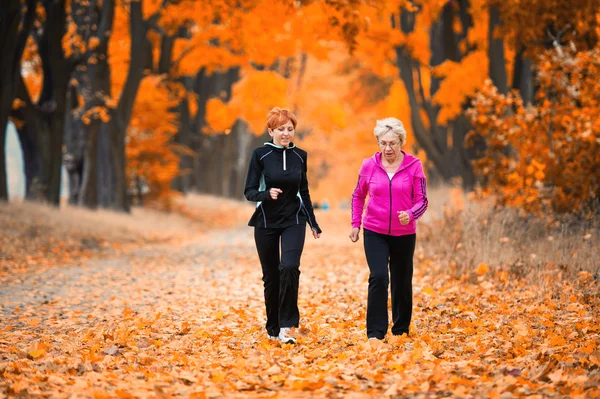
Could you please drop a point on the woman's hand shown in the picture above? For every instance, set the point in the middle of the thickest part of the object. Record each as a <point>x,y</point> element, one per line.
<point>403,217</point>
<point>354,234</point>
<point>274,192</point>
<point>315,234</point>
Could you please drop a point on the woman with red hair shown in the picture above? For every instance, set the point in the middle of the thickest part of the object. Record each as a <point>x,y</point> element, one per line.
<point>277,182</point>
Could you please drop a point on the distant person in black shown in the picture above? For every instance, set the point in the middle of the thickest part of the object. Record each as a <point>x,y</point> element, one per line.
<point>277,182</point>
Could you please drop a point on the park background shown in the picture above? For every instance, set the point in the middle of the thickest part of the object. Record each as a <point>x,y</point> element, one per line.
<point>126,129</point>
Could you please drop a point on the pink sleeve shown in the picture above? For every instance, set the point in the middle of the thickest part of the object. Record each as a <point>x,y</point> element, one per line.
<point>419,193</point>
<point>358,197</point>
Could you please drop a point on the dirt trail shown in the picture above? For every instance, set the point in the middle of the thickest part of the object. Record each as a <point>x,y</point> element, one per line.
<point>144,277</point>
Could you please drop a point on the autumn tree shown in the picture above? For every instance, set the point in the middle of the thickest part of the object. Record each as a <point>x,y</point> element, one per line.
<point>544,157</point>
<point>105,95</point>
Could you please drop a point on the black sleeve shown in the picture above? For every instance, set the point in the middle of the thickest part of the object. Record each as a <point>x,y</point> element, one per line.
<point>306,199</point>
<point>251,191</point>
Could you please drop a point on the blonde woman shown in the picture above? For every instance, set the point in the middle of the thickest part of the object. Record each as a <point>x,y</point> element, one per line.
<point>397,189</point>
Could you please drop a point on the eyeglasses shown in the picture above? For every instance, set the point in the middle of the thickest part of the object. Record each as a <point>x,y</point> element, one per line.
<point>392,144</point>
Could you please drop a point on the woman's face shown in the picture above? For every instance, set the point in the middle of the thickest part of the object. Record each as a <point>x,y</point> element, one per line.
<point>390,146</point>
<point>283,135</point>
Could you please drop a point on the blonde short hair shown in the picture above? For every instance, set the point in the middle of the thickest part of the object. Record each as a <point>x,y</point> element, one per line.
<point>390,125</point>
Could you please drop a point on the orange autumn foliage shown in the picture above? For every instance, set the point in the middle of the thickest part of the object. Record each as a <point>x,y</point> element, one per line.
<point>544,157</point>
<point>256,92</point>
<point>152,160</point>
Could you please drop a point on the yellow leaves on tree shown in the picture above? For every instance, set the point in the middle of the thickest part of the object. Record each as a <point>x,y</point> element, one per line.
<point>151,160</point>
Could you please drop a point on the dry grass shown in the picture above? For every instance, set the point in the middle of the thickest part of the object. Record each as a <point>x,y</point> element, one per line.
<point>462,234</point>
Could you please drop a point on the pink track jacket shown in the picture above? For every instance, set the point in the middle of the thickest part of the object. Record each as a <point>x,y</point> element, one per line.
<point>406,191</point>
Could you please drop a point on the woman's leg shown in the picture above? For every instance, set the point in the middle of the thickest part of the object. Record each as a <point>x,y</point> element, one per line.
<point>377,252</point>
<point>267,245</point>
<point>292,244</point>
<point>402,250</point>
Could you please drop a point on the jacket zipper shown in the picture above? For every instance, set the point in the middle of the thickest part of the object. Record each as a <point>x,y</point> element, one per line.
<point>284,161</point>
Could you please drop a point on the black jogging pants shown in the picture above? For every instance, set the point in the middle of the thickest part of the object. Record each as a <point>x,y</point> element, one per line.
<point>281,273</point>
<point>397,252</point>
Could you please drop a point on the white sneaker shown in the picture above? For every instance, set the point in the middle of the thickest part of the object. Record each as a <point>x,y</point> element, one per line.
<point>285,337</point>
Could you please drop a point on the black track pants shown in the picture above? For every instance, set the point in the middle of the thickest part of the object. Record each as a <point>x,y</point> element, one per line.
<point>281,273</point>
<point>396,251</point>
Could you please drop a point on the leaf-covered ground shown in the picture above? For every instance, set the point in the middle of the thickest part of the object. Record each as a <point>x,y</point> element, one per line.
<point>187,321</point>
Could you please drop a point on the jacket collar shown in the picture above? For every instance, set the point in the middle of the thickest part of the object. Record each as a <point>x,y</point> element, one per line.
<point>279,147</point>
<point>406,162</point>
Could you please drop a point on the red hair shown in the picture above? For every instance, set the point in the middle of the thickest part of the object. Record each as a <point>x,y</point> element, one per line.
<point>280,116</point>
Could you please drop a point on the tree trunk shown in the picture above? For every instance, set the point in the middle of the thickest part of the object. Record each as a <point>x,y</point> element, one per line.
<point>460,155</point>
<point>93,19</point>
<point>3,177</point>
<point>74,146</point>
<point>244,149</point>
<point>122,115</point>
<point>183,182</point>
<point>31,160</point>
<point>52,102</point>
<point>227,163</point>
<point>105,179</point>
<point>89,185</point>
<point>423,136</point>
<point>12,44</point>
<point>523,76</point>
<point>497,61</point>
<point>197,139</point>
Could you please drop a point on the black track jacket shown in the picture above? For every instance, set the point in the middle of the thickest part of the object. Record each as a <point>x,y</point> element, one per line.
<point>273,166</point>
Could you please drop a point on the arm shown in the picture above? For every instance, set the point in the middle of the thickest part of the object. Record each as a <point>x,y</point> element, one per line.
<point>419,194</point>
<point>358,198</point>
<point>305,195</point>
<point>253,191</point>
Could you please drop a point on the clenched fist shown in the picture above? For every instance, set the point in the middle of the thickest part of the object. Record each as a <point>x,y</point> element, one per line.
<point>274,192</point>
<point>354,234</point>
<point>403,217</point>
